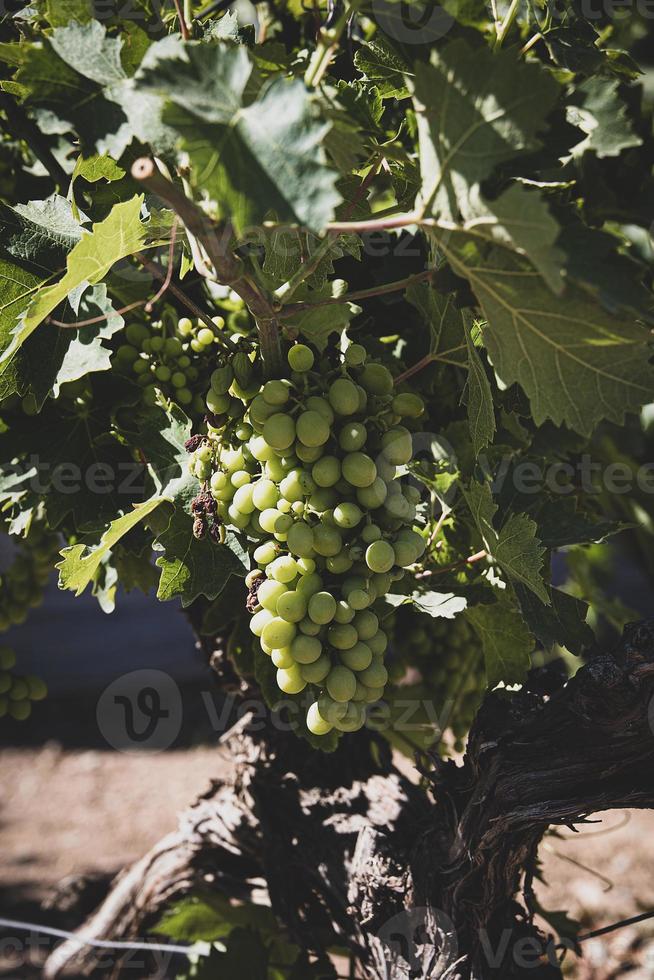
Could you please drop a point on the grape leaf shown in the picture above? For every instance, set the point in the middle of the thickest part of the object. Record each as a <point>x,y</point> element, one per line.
<point>476,109</point>
<point>602,115</point>
<point>119,235</point>
<point>192,567</point>
<point>252,155</point>
<point>316,325</point>
<point>88,50</point>
<point>576,363</point>
<point>40,233</point>
<point>96,167</point>
<point>564,622</point>
<point>439,313</point>
<point>515,547</point>
<point>443,605</point>
<point>505,640</point>
<point>382,65</point>
<point>481,414</point>
<point>80,563</point>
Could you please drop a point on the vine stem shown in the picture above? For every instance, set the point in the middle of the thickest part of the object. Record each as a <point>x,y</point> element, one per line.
<point>328,40</point>
<point>389,287</point>
<point>230,270</point>
<point>507,24</point>
<point>181,16</point>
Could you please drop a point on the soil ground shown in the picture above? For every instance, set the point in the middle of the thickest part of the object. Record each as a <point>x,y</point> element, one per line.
<point>66,812</point>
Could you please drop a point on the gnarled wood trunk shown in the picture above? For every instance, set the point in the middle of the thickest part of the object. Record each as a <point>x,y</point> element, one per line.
<point>417,884</point>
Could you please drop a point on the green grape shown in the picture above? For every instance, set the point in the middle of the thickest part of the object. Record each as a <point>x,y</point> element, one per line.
<point>366,624</point>
<point>380,556</point>
<point>315,721</point>
<point>185,326</point>
<point>374,675</point>
<point>282,658</point>
<point>344,397</point>
<point>20,710</point>
<point>408,405</point>
<point>352,437</point>
<point>342,636</point>
<point>184,396</point>
<point>221,379</point>
<point>269,592</point>
<point>322,607</point>
<point>378,642</point>
<point>355,355</point>
<point>240,478</point>
<point>370,533</point>
<point>300,540</point>
<point>397,445</point>
<point>292,607</point>
<point>341,684</point>
<point>344,612</point>
<point>358,657</point>
<point>5,682</point>
<point>279,431</point>
<point>38,689</point>
<point>136,333</point>
<point>306,649</point>
<point>19,690</point>
<point>326,472</point>
<point>156,344</point>
<point>327,541</point>
<point>322,406</point>
<point>308,627</point>
<point>205,336</point>
<point>243,499</point>
<point>317,671</point>
<point>278,632</point>
<point>348,515</point>
<point>265,495</point>
<point>275,393</point>
<point>7,658</point>
<point>331,709</point>
<point>178,379</point>
<point>300,358</point>
<point>359,470</point>
<point>283,569</point>
<point>312,429</point>
<point>290,681</point>
<point>308,454</point>
<point>259,620</point>
<point>376,379</point>
<point>338,564</point>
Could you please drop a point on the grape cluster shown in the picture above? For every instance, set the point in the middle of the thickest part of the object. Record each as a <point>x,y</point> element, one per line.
<point>171,357</point>
<point>17,693</point>
<point>23,583</point>
<point>310,468</point>
<point>448,655</point>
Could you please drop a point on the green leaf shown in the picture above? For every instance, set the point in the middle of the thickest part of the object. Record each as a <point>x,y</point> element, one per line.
<point>438,605</point>
<point>40,233</point>
<point>505,640</point>
<point>602,115</point>
<point>86,353</point>
<point>382,65</point>
<point>561,523</point>
<point>192,567</point>
<point>212,917</point>
<point>481,414</point>
<point>58,13</point>
<point>440,315</point>
<point>317,325</point>
<point>88,50</point>
<point>80,563</point>
<point>119,235</point>
<point>515,547</point>
<point>96,168</point>
<point>576,363</point>
<point>476,109</point>
<point>563,622</point>
<point>251,155</point>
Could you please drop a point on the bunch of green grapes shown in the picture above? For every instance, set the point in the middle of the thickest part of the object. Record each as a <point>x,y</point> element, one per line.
<point>172,357</point>
<point>23,583</point>
<point>17,693</point>
<point>449,657</point>
<point>310,468</point>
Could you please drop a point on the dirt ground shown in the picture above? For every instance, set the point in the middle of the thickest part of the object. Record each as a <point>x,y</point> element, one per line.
<point>70,812</point>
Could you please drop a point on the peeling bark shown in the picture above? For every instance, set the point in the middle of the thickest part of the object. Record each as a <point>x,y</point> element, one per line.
<point>417,884</point>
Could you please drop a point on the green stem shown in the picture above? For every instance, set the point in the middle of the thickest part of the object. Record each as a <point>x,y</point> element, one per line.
<point>327,45</point>
<point>507,24</point>
<point>389,287</point>
<point>188,13</point>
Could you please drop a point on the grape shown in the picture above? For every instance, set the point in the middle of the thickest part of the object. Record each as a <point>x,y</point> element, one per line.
<point>308,627</point>
<point>279,431</point>
<point>359,599</point>
<point>322,406</point>
<point>269,592</point>
<point>19,690</point>
<point>259,620</point>
<point>375,675</point>
<point>380,556</point>
<point>243,499</point>
<point>275,393</point>
<point>5,682</point>
<point>322,500</point>
<point>397,445</point>
<point>326,472</point>
<point>290,681</point>
<point>300,358</point>
<point>309,584</point>
<point>355,355</point>
<point>206,336</point>
<point>344,397</point>
<point>317,671</point>
<point>284,569</point>
<point>221,379</point>
<point>185,327</point>
<point>306,649</point>
<point>265,553</point>
<point>366,624</point>
<point>322,607</point>
<point>282,659</point>
<point>359,470</point>
<point>312,429</point>
<point>339,563</point>
<point>265,495</point>
<point>316,723</point>
<point>308,454</point>
<point>292,607</point>
<point>7,658</point>
<point>344,612</point>
<point>278,633</point>
<point>20,710</point>
<point>342,636</point>
<point>378,642</point>
<point>341,684</point>
<point>352,437</point>
<point>408,405</point>
<point>268,519</point>
<point>347,515</point>
<point>376,379</point>
<point>327,541</point>
<point>300,540</point>
<point>357,657</point>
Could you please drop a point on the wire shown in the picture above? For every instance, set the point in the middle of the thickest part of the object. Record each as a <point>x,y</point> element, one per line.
<point>99,943</point>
